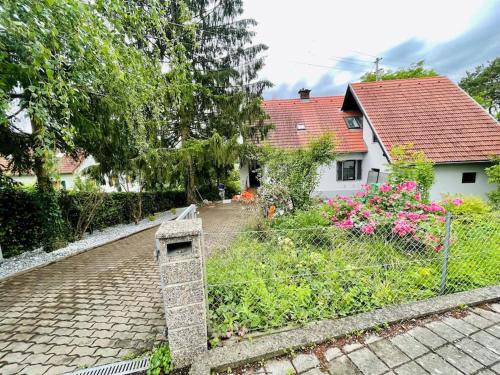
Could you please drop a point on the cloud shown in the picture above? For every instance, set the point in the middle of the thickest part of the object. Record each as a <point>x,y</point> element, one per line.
<point>453,57</point>
<point>477,45</point>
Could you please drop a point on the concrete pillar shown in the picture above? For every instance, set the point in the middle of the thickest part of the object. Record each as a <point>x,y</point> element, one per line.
<point>183,287</point>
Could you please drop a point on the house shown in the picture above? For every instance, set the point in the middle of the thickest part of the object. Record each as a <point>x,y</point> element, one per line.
<point>433,114</point>
<point>68,168</point>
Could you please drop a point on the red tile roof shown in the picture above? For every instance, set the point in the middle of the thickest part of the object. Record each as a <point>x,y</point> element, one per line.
<point>320,115</point>
<point>433,114</point>
<point>66,164</point>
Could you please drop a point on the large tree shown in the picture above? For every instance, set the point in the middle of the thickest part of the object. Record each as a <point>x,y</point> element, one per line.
<point>83,88</point>
<point>483,84</point>
<point>416,70</point>
<point>75,77</point>
<point>211,94</point>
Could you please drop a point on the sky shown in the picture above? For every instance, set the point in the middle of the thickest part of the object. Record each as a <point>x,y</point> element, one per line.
<point>324,44</point>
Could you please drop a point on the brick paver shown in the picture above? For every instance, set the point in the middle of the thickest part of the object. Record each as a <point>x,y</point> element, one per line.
<point>56,316</point>
<point>448,346</point>
<point>90,309</point>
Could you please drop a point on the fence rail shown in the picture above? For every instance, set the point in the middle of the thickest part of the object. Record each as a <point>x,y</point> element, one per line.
<point>271,278</point>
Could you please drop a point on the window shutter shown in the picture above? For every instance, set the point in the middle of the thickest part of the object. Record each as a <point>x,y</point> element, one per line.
<point>339,171</point>
<point>358,169</point>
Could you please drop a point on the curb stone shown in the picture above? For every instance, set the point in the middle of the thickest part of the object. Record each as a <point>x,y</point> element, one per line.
<point>267,347</point>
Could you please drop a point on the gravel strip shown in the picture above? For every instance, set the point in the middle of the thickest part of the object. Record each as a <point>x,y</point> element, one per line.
<point>38,257</point>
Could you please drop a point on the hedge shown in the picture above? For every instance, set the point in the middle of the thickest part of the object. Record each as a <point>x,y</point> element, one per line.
<point>21,216</point>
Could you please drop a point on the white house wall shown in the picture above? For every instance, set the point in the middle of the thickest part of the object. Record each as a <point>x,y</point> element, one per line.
<point>329,187</point>
<point>448,179</point>
<point>375,156</point>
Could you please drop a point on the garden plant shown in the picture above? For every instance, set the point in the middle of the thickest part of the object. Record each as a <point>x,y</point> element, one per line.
<point>349,255</point>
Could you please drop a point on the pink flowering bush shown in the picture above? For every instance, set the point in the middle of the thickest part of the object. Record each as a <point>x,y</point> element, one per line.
<point>395,211</point>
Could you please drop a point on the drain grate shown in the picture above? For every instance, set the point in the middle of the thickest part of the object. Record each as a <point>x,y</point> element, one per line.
<point>119,368</point>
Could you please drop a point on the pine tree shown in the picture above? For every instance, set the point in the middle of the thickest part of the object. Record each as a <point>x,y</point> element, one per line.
<point>211,91</point>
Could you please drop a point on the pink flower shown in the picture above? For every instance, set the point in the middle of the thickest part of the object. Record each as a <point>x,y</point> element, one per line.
<point>361,194</point>
<point>438,248</point>
<point>413,216</point>
<point>366,214</point>
<point>408,185</point>
<point>440,219</point>
<point>457,201</point>
<point>346,224</point>
<point>417,196</point>
<point>403,227</point>
<point>402,214</point>
<point>368,229</point>
<point>434,207</point>
<point>384,188</point>
<point>389,214</point>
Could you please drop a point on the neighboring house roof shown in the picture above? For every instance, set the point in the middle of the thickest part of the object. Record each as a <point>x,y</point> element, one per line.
<point>66,164</point>
<point>319,115</point>
<point>433,114</point>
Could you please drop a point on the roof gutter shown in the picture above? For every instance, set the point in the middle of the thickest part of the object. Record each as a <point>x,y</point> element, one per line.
<point>463,162</point>
<point>384,149</point>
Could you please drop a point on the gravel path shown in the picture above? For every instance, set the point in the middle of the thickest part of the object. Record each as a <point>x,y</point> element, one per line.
<point>38,257</point>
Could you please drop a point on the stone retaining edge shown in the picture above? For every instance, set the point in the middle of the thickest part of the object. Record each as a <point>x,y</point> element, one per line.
<point>266,347</point>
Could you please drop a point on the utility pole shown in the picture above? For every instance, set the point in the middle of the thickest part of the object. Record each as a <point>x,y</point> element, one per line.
<point>377,70</point>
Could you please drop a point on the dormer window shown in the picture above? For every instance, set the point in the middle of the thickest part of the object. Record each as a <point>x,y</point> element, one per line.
<point>301,126</point>
<point>354,122</point>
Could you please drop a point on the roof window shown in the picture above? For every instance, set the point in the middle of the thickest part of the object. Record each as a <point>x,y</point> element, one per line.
<point>301,126</point>
<point>354,122</point>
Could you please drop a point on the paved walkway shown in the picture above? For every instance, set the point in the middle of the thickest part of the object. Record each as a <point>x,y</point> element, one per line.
<point>93,308</point>
<point>448,346</point>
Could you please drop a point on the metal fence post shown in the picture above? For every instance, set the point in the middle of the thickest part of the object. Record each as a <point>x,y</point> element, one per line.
<point>446,249</point>
<point>1,255</point>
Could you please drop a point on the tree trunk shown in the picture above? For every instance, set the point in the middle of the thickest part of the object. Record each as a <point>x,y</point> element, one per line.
<point>190,175</point>
<point>190,182</point>
<point>40,161</point>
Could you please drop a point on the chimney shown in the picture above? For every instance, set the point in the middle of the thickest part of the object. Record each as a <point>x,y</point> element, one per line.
<point>304,94</point>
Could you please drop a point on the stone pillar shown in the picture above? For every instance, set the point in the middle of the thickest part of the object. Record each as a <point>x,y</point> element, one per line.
<point>180,256</point>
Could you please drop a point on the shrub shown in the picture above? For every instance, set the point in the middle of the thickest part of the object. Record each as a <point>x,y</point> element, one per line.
<point>460,204</point>
<point>290,176</point>
<point>20,222</point>
<point>493,174</point>
<point>160,361</point>
<point>23,214</point>
<point>395,210</point>
<point>410,165</point>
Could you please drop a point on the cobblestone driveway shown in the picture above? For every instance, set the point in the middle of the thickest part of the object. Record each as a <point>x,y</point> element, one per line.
<point>451,346</point>
<point>92,308</point>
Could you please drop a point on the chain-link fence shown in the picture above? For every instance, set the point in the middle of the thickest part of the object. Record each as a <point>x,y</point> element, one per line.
<point>272,278</point>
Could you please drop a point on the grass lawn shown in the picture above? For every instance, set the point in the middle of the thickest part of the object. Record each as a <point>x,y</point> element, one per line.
<point>278,276</point>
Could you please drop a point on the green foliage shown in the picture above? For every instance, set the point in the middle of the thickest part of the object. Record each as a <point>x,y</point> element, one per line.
<point>52,226</point>
<point>483,84</point>
<point>470,205</point>
<point>415,70</point>
<point>76,77</point>
<point>287,274</point>
<point>160,361</point>
<point>20,222</point>
<point>211,93</point>
<point>493,174</point>
<point>289,176</point>
<point>23,215</point>
<point>411,165</point>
